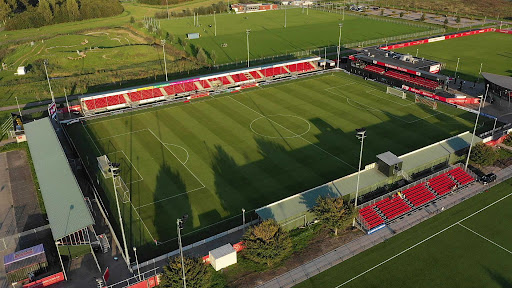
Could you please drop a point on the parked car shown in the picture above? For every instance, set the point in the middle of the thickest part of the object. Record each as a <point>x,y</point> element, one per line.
<point>488,178</point>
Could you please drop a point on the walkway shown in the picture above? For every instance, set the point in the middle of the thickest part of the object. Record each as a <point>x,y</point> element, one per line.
<point>363,243</point>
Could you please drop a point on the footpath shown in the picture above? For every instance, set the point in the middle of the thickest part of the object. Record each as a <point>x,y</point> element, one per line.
<point>363,243</point>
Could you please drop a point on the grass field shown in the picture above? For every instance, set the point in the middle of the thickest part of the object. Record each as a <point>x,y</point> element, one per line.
<point>494,50</point>
<point>268,36</point>
<point>470,247</point>
<point>212,158</point>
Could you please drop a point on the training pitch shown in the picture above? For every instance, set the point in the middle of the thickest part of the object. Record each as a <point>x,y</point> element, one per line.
<point>492,49</point>
<point>213,157</point>
<point>269,37</point>
<point>465,246</point>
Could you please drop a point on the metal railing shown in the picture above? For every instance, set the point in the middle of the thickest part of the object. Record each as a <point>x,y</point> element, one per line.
<point>136,279</point>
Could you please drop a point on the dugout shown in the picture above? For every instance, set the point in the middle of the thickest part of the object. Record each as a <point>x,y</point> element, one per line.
<point>499,85</point>
<point>25,264</point>
<point>69,216</point>
<point>295,211</point>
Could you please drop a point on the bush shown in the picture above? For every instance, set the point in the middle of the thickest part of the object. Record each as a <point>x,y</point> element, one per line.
<point>267,243</point>
<point>483,155</point>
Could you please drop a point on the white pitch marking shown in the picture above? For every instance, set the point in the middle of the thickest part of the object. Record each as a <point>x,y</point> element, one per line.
<point>487,239</point>
<point>186,151</point>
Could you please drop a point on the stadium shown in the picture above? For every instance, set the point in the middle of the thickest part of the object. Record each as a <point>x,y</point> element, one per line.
<point>233,148</point>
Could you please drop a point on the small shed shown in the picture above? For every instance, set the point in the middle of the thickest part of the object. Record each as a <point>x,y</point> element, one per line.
<point>21,70</point>
<point>193,35</point>
<point>222,257</point>
<point>389,164</point>
<point>19,265</point>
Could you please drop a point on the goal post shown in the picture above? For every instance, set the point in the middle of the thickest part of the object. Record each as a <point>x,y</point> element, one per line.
<point>396,92</point>
<point>426,101</point>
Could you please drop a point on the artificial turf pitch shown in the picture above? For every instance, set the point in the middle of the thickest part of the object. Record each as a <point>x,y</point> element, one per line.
<point>473,249</point>
<point>493,50</point>
<point>213,157</point>
<point>269,37</point>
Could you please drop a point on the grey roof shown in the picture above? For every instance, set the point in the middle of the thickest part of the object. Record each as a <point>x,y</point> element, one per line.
<point>296,205</point>
<point>500,80</point>
<point>389,158</point>
<point>222,251</point>
<point>63,199</point>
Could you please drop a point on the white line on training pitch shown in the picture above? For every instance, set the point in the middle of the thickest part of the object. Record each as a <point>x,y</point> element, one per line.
<point>122,134</point>
<point>486,239</point>
<point>170,197</point>
<point>140,176</point>
<point>93,142</point>
<point>186,151</point>
<point>424,240</point>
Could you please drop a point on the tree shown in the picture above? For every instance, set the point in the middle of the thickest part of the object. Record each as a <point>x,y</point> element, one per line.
<point>333,212</point>
<point>5,11</point>
<point>197,273</point>
<point>132,20</point>
<point>45,11</point>
<point>73,12</point>
<point>423,17</point>
<point>267,243</point>
<point>483,155</point>
<point>401,14</point>
<point>445,21</point>
<point>457,20</point>
<point>169,37</point>
<point>381,12</point>
<point>201,56</point>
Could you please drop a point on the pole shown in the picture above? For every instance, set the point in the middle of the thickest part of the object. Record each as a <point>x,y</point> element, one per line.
<point>243,218</point>
<point>45,62</point>
<point>178,222</point>
<point>339,46</point>
<point>167,2</point>
<point>307,10</point>
<point>18,104</point>
<point>121,223</point>
<point>137,262</point>
<point>248,31</point>
<point>457,68</point>
<point>215,23</point>
<point>494,127</point>
<point>417,50</point>
<point>343,18</point>
<point>165,62</point>
<point>359,170</point>
<point>67,103</point>
<point>285,17</point>
<point>474,129</point>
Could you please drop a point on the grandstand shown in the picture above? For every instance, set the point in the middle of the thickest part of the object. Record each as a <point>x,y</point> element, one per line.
<point>405,71</point>
<point>187,89</point>
<point>372,216</point>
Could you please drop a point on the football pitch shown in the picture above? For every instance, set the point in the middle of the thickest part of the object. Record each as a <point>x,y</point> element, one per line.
<point>466,246</point>
<point>212,157</point>
<point>492,49</point>
<point>269,37</point>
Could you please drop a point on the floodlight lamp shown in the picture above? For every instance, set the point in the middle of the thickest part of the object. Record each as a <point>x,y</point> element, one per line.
<point>184,218</point>
<point>361,132</point>
<point>341,25</point>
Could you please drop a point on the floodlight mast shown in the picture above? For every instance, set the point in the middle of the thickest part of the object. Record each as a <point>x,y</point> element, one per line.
<point>482,101</point>
<point>248,31</point>
<point>165,62</point>
<point>339,46</point>
<point>360,134</point>
<point>45,62</point>
<point>114,170</point>
<point>179,223</point>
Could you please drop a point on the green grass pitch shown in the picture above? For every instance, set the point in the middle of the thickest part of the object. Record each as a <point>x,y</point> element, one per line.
<point>268,36</point>
<point>213,157</point>
<point>492,49</point>
<point>474,252</point>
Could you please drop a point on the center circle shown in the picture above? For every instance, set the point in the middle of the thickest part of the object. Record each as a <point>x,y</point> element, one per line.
<point>280,126</point>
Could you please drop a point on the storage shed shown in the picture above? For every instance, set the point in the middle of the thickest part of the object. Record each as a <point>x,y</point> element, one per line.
<point>223,257</point>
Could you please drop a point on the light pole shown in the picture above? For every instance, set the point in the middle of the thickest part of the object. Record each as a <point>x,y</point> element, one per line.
<point>339,46</point>
<point>457,69</point>
<point>45,62</point>
<point>115,170</point>
<point>165,63</point>
<point>180,222</point>
<point>137,261</point>
<point>248,31</point>
<point>482,101</point>
<point>285,17</point>
<point>215,22</point>
<point>167,2</point>
<point>360,134</point>
<point>243,218</point>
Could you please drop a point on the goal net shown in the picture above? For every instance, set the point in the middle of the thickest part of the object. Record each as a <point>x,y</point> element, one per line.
<point>426,101</point>
<point>122,189</point>
<point>396,92</point>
